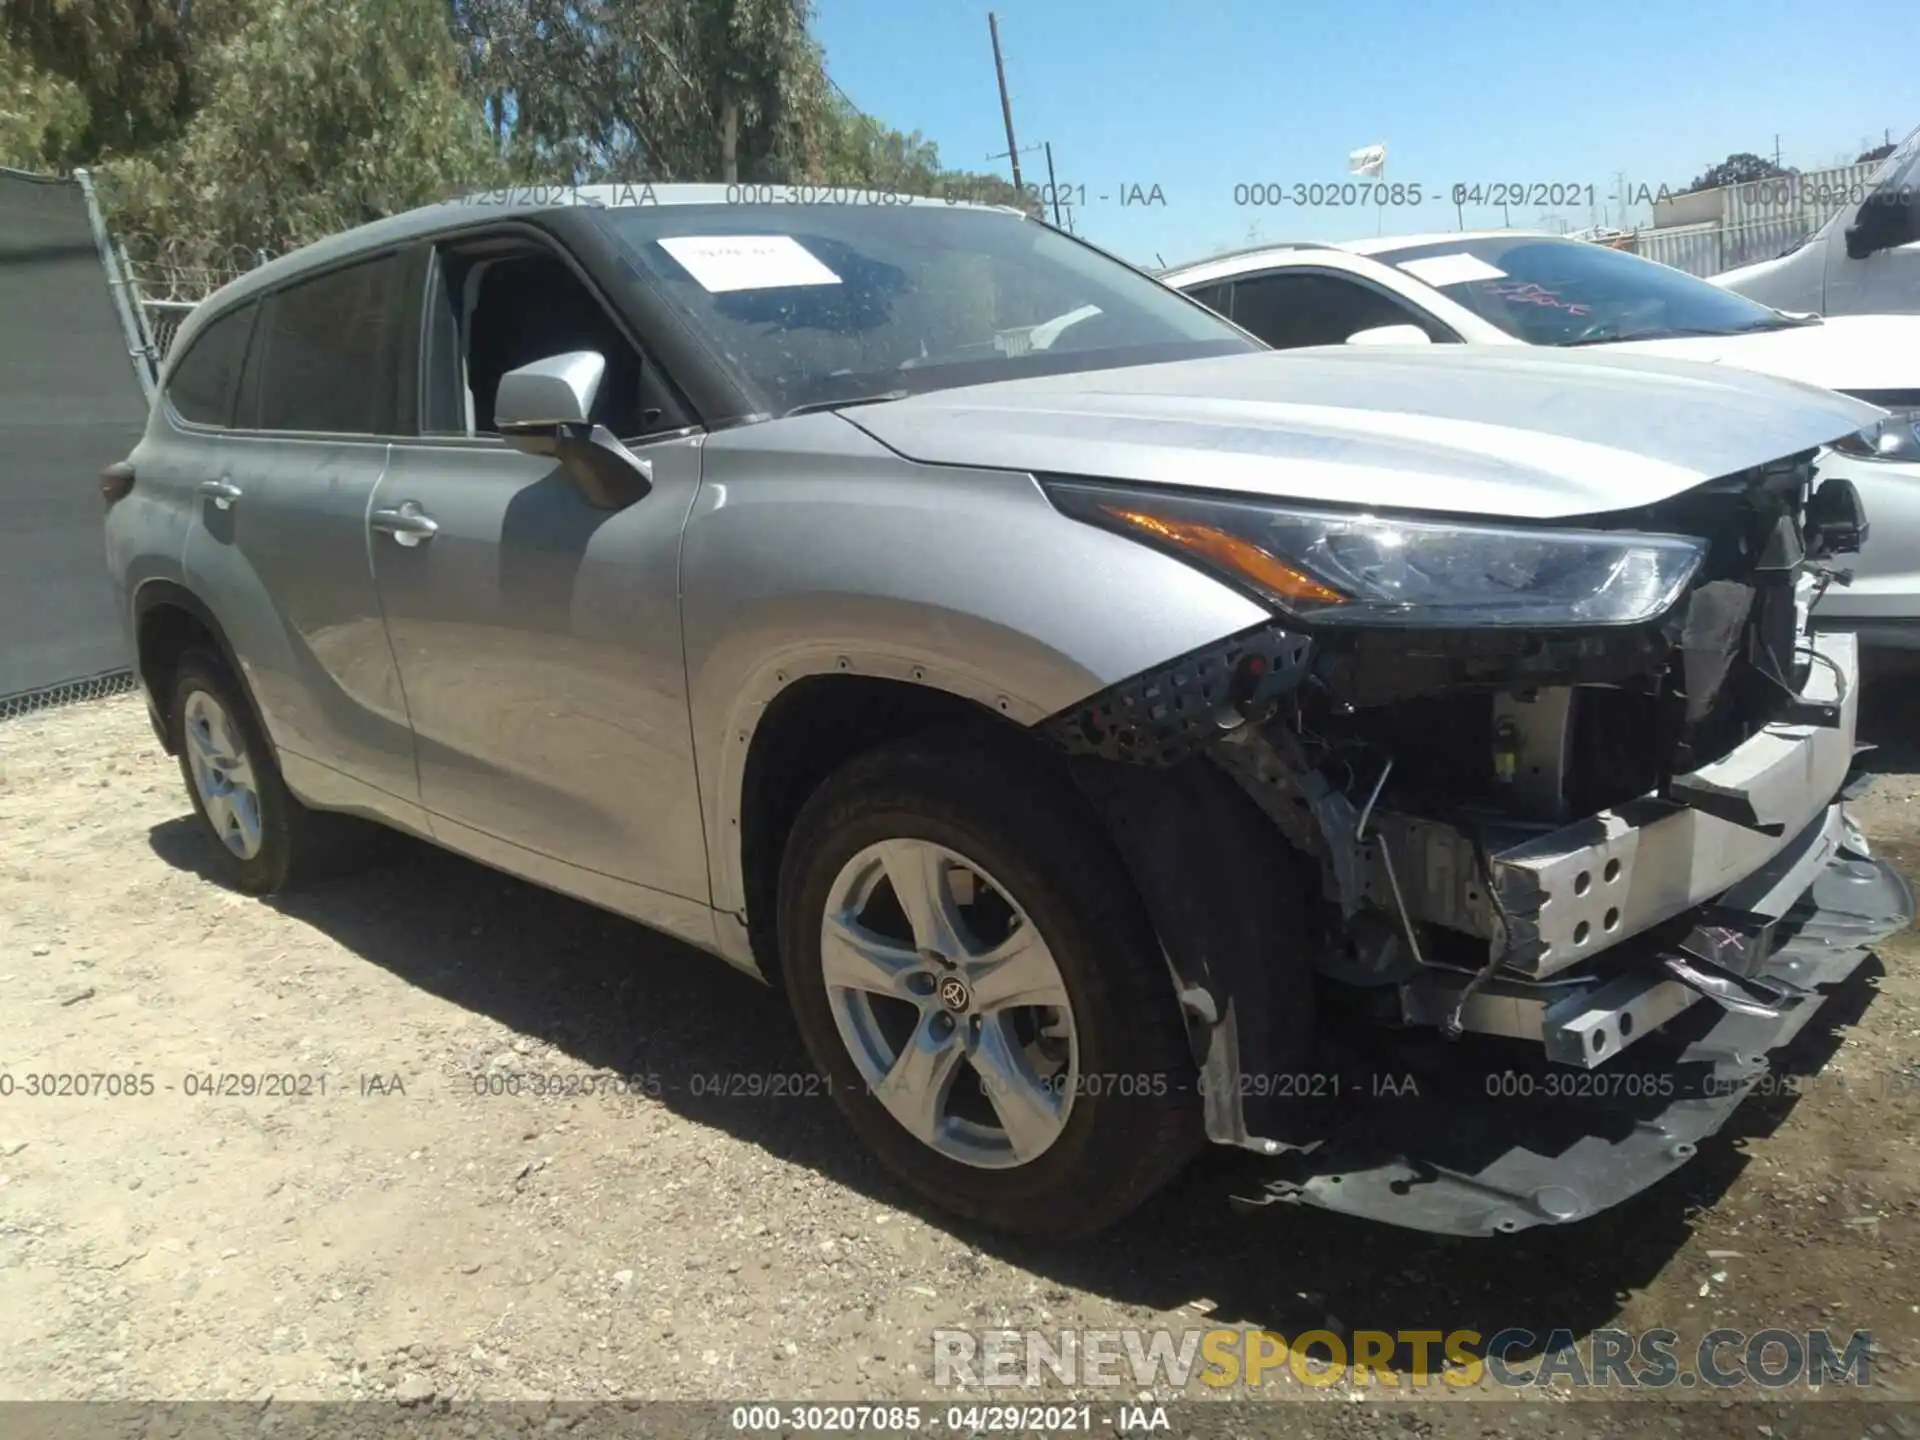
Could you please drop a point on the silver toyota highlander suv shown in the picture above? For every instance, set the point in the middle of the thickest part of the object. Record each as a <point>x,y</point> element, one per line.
<point>1412,766</point>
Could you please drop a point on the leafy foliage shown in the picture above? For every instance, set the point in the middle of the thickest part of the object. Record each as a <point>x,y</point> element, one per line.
<point>219,126</point>
<point>134,63</point>
<point>318,117</point>
<point>41,115</point>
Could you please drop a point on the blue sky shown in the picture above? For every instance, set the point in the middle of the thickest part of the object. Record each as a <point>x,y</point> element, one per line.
<point>1201,97</point>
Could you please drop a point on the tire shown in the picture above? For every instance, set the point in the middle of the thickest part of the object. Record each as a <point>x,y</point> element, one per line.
<point>1131,1114</point>
<point>275,843</point>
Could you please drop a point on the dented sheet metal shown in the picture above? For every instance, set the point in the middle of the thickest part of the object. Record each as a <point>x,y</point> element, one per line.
<point>1498,1147</point>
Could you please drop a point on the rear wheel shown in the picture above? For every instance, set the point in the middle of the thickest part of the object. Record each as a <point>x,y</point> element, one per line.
<point>970,969</point>
<point>268,841</point>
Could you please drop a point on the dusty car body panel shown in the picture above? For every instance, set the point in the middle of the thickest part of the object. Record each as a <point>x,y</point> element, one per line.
<point>813,550</point>
<point>1535,435</point>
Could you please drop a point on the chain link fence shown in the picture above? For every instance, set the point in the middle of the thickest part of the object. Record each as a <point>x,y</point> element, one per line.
<point>71,692</point>
<point>168,280</point>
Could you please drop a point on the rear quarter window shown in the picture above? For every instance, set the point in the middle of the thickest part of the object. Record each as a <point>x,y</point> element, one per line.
<point>203,381</point>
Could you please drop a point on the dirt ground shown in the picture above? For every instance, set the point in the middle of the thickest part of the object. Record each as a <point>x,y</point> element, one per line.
<point>408,1233</point>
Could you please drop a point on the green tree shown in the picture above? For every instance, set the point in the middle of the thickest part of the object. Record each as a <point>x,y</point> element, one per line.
<point>42,117</point>
<point>318,117</point>
<point>221,128</point>
<point>646,89</point>
<point>137,65</point>
<point>1740,168</point>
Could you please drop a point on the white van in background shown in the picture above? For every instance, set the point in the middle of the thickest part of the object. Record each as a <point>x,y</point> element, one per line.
<point>1864,261</point>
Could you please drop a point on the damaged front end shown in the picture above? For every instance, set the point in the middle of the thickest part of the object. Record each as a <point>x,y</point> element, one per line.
<point>1553,854</point>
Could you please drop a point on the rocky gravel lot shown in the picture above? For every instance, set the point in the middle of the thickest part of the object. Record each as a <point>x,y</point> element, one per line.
<point>403,1227</point>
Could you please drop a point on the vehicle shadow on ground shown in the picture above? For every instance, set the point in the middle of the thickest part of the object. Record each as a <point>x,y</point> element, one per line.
<point>609,993</point>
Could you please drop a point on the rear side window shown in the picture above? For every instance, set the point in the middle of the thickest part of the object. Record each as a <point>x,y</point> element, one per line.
<point>203,381</point>
<point>1214,297</point>
<point>1299,308</point>
<point>326,352</point>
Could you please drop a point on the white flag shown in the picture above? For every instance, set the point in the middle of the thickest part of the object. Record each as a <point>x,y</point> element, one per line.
<point>1369,161</point>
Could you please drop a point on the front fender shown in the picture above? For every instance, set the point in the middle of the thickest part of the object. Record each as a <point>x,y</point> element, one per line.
<point>813,549</point>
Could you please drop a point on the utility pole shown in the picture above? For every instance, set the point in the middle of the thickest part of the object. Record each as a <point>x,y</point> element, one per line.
<point>1776,152</point>
<point>1006,106</point>
<point>1053,187</point>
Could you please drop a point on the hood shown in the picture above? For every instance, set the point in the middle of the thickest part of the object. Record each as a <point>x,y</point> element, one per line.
<point>1529,434</point>
<point>1848,352</point>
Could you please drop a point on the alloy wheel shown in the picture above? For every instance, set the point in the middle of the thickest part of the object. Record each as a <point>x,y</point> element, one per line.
<point>223,774</point>
<point>949,1002</point>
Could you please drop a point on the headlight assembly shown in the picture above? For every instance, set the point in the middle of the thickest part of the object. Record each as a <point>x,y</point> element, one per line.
<point>1894,437</point>
<point>1337,569</point>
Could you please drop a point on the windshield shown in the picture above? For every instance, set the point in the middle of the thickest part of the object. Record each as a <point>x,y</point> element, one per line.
<point>1549,291</point>
<point>815,305</point>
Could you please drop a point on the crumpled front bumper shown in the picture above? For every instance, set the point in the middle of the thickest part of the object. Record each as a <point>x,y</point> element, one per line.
<point>1679,944</point>
<point>1500,1142</point>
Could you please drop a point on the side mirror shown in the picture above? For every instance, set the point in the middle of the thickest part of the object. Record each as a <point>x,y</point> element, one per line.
<point>535,400</point>
<point>1390,335</point>
<point>544,409</point>
<point>1883,222</point>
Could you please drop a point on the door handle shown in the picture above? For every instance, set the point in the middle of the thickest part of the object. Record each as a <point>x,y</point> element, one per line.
<point>409,525</point>
<point>223,492</point>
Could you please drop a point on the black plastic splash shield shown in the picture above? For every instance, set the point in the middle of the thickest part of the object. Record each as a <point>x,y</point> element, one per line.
<point>1506,1143</point>
<point>1161,716</point>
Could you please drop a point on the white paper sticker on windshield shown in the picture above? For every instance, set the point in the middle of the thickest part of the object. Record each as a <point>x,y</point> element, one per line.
<point>747,262</point>
<point>1455,269</point>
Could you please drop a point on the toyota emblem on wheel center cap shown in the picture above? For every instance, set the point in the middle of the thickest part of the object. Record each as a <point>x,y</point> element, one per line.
<point>954,994</point>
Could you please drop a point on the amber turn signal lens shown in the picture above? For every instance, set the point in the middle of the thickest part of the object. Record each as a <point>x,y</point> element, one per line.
<point>1230,552</point>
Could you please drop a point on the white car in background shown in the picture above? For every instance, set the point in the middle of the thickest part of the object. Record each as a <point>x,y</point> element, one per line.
<point>1522,288</point>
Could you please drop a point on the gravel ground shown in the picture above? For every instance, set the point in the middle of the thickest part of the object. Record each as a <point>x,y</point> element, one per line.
<point>399,1230</point>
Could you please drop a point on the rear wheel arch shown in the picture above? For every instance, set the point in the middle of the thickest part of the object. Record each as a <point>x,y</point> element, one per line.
<point>168,621</point>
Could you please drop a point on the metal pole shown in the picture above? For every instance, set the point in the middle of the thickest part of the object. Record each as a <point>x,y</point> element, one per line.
<point>1006,106</point>
<point>1053,187</point>
<point>141,358</point>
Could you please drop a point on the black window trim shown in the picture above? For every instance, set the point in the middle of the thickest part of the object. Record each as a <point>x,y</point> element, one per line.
<point>518,236</point>
<point>172,411</point>
<point>1365,282</point>
<point>249,387</point>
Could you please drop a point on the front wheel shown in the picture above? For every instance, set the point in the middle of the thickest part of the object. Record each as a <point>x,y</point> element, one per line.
<point>970,969</point>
